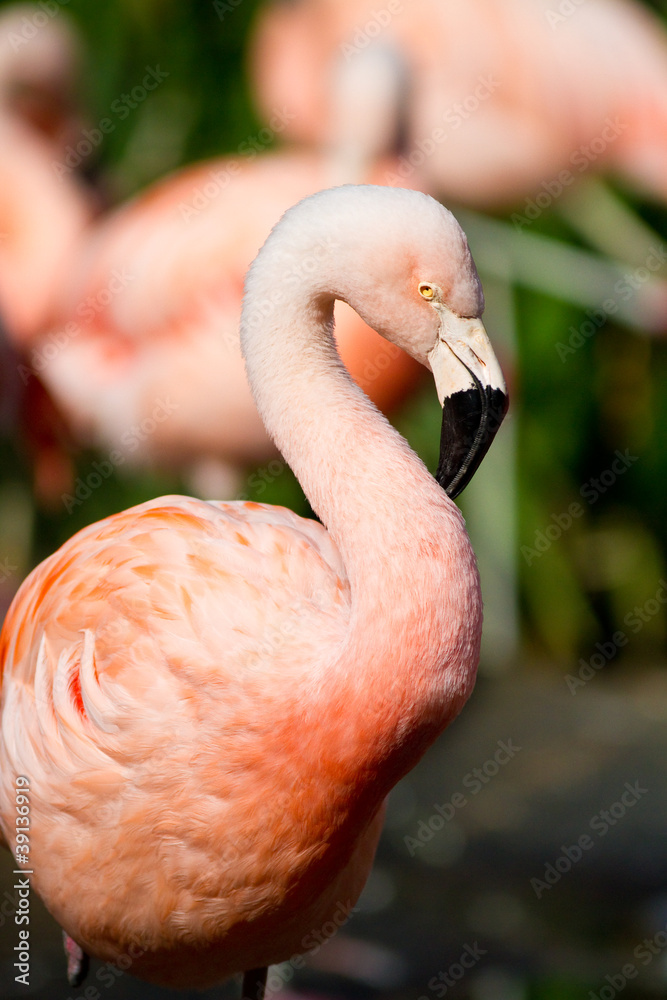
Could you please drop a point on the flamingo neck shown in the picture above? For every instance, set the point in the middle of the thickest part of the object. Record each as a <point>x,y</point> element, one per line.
<point>408,660</point>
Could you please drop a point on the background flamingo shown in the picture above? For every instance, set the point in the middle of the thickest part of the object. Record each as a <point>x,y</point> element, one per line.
<point>44,210</point>
<point>41,60</point>
<point>514,88</point>
<point>153,329</point>
<point>491,104</point>
<point>42,220</point>
<point>43,215</point>
<point>292,715</point>
<point>41,223</point>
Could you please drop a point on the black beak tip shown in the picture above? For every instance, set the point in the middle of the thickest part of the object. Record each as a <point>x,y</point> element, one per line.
<point>470,421</point>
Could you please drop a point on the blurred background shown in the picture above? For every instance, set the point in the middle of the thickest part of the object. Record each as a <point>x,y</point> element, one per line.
<point>543,126</point>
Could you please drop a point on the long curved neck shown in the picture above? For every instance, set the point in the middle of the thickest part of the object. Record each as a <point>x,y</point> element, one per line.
<point>408,660</point>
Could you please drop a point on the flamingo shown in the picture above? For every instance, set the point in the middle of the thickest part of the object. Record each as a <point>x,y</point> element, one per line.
<point>490,99</point>
<point>44,210</point>
<point>40,64</point>
<point>206,703</point>
<point>149,328</point>
<point>42,221</point>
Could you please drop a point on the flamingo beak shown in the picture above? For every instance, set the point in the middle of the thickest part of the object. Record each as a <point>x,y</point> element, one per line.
<point>472,391</point>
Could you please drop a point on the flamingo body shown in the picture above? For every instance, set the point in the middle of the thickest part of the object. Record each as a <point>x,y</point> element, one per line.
<point>119,728</point>
<point>211,701</point>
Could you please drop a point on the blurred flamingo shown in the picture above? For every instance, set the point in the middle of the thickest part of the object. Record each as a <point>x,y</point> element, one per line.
<point>44,209</point>
<point>41,57</point>
<point>43,214</point>
<point>488,98</point>
<point>150,368</point>
<point>42,220</point>
<point>198,806</point>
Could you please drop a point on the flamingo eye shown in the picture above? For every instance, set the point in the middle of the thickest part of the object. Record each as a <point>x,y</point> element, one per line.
<point>426,291</point>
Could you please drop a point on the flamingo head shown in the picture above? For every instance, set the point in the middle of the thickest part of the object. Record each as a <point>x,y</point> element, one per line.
<point>402,262</point>
<point>409,273</point>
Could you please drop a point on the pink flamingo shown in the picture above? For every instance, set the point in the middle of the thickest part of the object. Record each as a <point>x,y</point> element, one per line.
<point>205,704</point>
<point>43,213</point>
<point>491,98</point>
<point>149,330</point>
<point>41,57</point>
<point>42,221</point>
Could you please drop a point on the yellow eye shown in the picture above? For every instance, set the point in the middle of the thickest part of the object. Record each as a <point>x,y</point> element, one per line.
<point>426,290</point>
